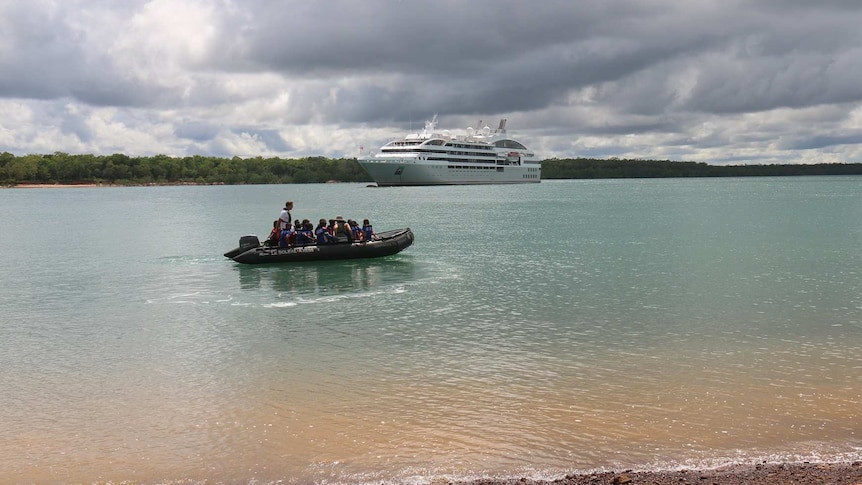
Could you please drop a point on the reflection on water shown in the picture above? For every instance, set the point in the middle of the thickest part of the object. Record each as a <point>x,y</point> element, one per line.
<point>326,277</point>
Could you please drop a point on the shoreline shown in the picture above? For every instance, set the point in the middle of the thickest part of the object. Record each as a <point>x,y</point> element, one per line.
<point>805,473</point>
<point>52,186</point>
<point>91,185</point>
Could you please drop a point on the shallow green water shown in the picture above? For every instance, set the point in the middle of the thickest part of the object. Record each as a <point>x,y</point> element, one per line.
<point>530,330</point>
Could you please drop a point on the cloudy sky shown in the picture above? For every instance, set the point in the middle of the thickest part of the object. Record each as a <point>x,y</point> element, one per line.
<point>720,81</point>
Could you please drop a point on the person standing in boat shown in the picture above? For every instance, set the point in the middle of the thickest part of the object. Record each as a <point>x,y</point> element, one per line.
<point>285,218</point>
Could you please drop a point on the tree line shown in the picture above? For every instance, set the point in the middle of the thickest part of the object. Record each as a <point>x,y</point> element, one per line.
<point>589,168</point>
<point>119,169</point>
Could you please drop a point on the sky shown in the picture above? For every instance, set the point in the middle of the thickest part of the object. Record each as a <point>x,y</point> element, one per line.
<point>722,82</point>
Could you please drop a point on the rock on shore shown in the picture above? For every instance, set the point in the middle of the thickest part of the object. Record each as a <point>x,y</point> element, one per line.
<point>772,474</point>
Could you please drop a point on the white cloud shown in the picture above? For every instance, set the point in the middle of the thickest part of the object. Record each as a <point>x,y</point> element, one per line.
<point>708,81</point>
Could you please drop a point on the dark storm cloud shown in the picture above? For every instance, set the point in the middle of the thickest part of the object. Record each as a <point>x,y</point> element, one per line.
<point>45,55</point>
<point>37,51</point>
<point>824,141</point>
<point>512,56</point>
<point>460,57</point>
<point>410,37</point>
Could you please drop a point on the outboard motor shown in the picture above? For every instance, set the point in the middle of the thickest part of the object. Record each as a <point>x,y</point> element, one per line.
<point>245,243</point>
<point>248,242</point>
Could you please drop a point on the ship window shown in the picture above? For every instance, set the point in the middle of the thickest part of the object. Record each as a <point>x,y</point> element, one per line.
<point>403,143</point>
<point>509,144</point>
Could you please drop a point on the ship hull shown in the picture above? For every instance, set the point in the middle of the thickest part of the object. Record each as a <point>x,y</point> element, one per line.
<point>400,172</point>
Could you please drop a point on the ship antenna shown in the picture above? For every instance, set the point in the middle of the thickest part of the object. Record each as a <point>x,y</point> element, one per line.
<point>430,126</point>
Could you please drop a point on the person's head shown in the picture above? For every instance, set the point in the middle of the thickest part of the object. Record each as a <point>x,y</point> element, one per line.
<point>366,222</point>
<point>322,222</point>
<point>275,223</point>
<point>288,205</point>
<point>297,223</point>
<point>339,219</point>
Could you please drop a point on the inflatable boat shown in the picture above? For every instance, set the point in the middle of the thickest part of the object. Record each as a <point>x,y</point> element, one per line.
<point>251,251</point>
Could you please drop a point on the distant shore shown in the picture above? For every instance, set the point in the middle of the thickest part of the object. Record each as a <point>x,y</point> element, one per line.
<point>124,170</point>
<point>742,474</point>
<point>50,186</point>
<point>91,185</point>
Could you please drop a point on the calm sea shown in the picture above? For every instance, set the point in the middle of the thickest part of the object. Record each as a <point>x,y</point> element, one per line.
<point>531,330</point>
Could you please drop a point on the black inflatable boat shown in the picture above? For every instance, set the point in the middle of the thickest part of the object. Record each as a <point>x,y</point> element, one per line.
<point>251,251</point>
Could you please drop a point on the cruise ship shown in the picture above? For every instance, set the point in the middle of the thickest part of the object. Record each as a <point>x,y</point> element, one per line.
<point>481,156</point>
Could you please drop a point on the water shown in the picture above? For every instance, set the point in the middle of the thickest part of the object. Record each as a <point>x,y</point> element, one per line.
<point>531,330</point>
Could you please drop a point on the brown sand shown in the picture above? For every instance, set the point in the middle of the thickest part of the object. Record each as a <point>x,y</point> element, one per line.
<point>772,473</point>
<point>50,186</point>
<point>87,185</point>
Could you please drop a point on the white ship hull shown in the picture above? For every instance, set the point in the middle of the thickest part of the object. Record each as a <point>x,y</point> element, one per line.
<point>394,172</point>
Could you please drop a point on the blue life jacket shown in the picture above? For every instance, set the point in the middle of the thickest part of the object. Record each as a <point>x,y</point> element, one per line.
<point>321,235</point>
<point>304,237</point>
<point>368,232</point>
<point>282,240</point>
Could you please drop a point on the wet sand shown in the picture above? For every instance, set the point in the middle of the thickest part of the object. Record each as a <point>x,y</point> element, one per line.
<point>772,473</point>
<point>52,186</point>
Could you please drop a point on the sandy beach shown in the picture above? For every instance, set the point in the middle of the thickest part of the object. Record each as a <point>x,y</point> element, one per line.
<point>766,473</point>
<point>51,186</point>
<point>89,185</point>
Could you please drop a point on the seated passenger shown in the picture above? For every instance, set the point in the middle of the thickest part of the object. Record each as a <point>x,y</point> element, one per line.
<point>297,226</point>
<point>272,240</point>
<point>358,235</point>
<point>285,238</point>
<point>305,235</point>
<point>321,233</point>
<point>342,231</point>
<point>368,230</point>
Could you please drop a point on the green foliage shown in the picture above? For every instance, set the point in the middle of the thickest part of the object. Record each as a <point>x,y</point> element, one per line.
<point>588,168</point>
<point>121,169</point>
